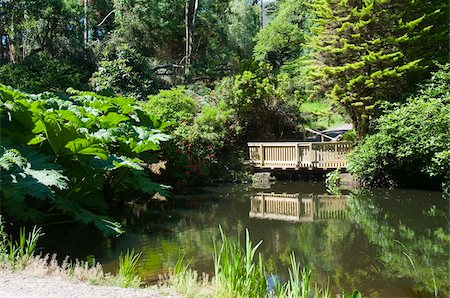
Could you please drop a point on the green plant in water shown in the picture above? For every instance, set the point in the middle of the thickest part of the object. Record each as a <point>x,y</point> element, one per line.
<point>299,283</point>
<point>332,182</point>
<point>236,269</point>
<point>127,275</point>
<point>355,294</point>
<point>238,273</point>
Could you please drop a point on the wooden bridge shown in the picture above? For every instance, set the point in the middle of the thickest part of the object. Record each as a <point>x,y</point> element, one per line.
<point>298,155</point>
<point>297,208</point>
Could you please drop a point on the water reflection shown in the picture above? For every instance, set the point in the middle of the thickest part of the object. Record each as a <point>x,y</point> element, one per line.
<point>413,242</point>
<point>297,207</point>
<point>385,243</point>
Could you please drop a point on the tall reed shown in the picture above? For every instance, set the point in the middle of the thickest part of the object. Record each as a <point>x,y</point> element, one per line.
<point>127,275</point>
<point>237,269</point>
<point>239,272</point>
<point>20,251</point>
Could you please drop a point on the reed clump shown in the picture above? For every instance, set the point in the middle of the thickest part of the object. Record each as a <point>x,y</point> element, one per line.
<point>127,276</point>
<point>239,271</point>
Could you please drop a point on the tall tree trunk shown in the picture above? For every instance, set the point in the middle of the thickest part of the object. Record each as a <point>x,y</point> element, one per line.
<point>262,14</point>
<point>191,9</point>
<point>86,24</point>
<point>188,37</point>
<point>11,47</point>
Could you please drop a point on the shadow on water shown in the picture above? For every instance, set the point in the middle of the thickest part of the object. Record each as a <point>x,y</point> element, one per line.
<point>385,243</point>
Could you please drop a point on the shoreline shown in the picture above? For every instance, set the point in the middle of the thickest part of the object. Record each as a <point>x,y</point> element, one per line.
<point>24,283</point>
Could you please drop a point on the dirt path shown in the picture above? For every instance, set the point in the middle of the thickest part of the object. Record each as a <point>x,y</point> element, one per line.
<point>19,284</point>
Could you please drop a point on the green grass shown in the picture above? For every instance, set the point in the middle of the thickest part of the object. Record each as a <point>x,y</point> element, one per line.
<point>21,250</point>
<point>238,269</point>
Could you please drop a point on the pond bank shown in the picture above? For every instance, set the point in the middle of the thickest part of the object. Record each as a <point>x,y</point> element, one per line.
<point>28,284</point>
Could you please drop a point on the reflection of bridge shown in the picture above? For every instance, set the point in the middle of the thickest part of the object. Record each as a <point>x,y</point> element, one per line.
<point>298,155</point>
<point>296,207</point>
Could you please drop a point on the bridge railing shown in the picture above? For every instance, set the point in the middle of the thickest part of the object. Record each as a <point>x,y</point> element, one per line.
<point>294,155</point>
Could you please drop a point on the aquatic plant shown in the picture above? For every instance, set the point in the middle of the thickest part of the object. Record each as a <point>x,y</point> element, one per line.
<point>236,268</point>
<point>239,273</point>
<point>127,275</point>
<point>332,182</point>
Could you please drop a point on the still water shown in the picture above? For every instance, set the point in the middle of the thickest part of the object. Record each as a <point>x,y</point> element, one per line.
<point>386,243</point>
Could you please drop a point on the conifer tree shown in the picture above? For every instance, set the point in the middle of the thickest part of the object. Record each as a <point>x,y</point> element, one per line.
<point>362,51</point>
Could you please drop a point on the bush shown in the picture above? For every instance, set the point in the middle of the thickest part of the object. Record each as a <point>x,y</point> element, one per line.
<point>126,72</point>
<point>412,141</point>
<point>39,72</point>
<point>172,105</point>
<point>260,110</point>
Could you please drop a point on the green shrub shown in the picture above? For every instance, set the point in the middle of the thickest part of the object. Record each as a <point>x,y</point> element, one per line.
<point>172,105</point>
<point>125,71</point>
<point>412,141</point>
<point>39,72</point>
<point>260,110</point>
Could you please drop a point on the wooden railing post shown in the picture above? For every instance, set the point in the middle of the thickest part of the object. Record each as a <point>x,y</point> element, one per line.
<point>261,154</point>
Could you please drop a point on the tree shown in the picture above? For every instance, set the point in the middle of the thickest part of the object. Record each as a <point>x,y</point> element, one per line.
<point>153,28</point>
<point>282,40</point>
<point>410,143</point>
<point>362,53</point>
<point>242,27</point>
<point>41,25</point>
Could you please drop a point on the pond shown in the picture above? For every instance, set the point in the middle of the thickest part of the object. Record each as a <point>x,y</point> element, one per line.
<point>382,242</point>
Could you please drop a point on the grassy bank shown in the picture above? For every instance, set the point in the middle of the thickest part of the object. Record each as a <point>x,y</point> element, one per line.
<point>20,255</point>
<point>239,270</point>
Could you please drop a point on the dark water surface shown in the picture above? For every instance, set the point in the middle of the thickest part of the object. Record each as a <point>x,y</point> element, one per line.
<point>385,243</point>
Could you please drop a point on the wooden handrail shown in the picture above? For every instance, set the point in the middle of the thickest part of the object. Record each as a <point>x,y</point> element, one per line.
<point>295,155</point>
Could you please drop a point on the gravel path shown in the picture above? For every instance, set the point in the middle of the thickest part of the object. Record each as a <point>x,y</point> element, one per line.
<point>19,284</point>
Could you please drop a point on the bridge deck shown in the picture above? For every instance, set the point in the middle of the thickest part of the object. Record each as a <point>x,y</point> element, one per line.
<point>298,155</point>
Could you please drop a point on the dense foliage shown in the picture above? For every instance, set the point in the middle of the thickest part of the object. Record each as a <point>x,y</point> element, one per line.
<point>282,39</point>
<point>411,142</point>
<point>77,156</point>
<point>360,63</point>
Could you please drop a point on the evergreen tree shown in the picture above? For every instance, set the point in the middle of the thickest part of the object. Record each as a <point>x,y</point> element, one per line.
<point>362,51</point>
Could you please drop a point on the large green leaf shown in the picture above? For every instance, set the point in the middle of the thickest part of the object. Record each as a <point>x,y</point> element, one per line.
<point>87,147</point>
<point>112,120</point>
<point>140,181</point>
<point>58,134</point>
<point>103,223</point>
<point>19,179</point>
